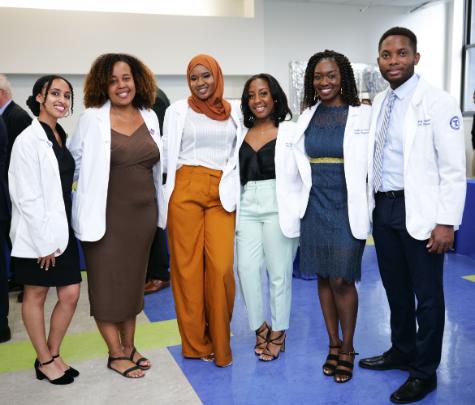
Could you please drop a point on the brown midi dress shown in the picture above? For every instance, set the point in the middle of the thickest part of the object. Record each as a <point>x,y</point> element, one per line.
<point>117,263</point>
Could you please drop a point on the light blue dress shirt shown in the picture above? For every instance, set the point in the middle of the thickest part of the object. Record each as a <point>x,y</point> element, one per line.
<point>393,151</point>
<point>2,109</point>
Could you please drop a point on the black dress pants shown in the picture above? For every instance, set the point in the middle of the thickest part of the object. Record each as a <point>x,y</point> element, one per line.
<point>413,279</point>
<point>4,306</point>
<point>159,261</point>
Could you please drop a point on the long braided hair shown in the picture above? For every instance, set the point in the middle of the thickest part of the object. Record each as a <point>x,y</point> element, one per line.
<point>349,92</point>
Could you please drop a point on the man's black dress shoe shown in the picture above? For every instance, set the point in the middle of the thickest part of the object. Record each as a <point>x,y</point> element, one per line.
<point>387,361</point>
<point>5,335</point>
<point>414,389</point>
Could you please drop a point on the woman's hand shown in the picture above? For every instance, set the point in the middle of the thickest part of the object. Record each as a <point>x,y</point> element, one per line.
<point>46,261</point>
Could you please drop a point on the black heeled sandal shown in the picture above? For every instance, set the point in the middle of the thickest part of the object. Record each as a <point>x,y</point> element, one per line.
<point>343,375</point>
<point>329,368</point>
<point>70,371</point>
<point>278,341</point>
<point>63,380</point>
<point>261,338</point>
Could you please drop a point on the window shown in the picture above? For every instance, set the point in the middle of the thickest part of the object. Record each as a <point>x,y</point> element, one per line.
<point>468,88</point>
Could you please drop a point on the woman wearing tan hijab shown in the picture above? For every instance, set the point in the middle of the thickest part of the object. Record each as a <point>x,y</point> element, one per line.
<point>200,158</point>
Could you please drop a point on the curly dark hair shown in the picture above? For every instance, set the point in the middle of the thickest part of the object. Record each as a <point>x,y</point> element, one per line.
<point>349,92</point>
<point>400,31</point>
<point>281,108</point>
<point>98,79</point>
<point>45,82</point>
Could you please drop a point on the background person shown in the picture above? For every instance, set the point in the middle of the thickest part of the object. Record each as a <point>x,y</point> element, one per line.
<point>158,276</point>
<point>16,120</point>
<point>5,212</point>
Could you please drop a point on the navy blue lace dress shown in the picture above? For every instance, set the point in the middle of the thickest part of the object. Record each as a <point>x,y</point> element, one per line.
<point>327,246</point>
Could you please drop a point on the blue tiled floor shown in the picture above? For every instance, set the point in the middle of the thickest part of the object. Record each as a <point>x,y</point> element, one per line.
<point>296,377</point>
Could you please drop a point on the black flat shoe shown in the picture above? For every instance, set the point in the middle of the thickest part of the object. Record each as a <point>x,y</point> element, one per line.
<point>139,361</point>
<point>63,380</point>
<point>125,373</point>
<point>387,361</point>
<point>5,335</point>
<point>413,390</point>
<point>70,371</point>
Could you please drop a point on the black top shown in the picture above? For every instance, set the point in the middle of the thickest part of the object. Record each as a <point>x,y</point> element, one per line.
<point>65,162</point>
<point>66,271</point>
<point>473,132</point>
<point>254,166</point>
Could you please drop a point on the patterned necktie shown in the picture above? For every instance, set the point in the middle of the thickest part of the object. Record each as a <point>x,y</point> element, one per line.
<point>379,144</point>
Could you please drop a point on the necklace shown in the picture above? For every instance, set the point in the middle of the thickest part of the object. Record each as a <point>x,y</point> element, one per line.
<point>262,132</point>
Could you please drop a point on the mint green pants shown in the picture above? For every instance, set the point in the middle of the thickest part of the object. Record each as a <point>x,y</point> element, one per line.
<point>261,241</point>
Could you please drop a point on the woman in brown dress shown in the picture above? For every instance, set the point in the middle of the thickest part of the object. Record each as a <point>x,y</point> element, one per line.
<point>115,213</point>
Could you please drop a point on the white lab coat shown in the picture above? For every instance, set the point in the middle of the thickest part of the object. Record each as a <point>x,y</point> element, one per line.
<point>290,188</point>
<point>39,224</point>
<point>91,149</point>
<point>355,153</point>
<point>434,160</point>
<point>173,125</point>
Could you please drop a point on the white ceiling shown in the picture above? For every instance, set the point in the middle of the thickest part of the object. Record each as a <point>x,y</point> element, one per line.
<point>369,3</point>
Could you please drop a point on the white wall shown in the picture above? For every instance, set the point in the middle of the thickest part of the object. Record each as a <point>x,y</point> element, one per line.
<point>67,42</point>
<point>296,30</point>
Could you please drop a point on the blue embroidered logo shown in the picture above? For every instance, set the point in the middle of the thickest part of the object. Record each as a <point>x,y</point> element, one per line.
<point>455,122</point>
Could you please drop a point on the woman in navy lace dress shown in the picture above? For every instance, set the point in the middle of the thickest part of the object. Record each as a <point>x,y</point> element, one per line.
<point>333,133</point>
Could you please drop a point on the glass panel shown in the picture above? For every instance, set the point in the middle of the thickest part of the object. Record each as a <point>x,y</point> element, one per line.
<point>471,23</point>
<point>468,91</point>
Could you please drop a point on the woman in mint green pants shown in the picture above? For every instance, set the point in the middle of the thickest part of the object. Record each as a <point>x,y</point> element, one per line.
<point>269,213</point>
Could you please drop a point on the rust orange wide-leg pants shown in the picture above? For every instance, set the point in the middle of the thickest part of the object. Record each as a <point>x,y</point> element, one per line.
<point>201,237</point>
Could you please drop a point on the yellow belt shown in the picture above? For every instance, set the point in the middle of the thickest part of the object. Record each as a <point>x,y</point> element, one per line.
<point>326,160</point>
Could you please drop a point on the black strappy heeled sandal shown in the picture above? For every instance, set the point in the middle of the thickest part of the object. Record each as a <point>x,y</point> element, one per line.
<point>342,375</point>
<point>329,368</point>
<point>278,341</point>
<point>261,338</point>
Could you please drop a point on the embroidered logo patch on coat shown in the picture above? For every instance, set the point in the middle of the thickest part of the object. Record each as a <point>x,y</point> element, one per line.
<point>455,122</point>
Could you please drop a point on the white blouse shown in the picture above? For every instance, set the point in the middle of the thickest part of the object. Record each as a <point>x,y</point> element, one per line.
<point>206,142</point>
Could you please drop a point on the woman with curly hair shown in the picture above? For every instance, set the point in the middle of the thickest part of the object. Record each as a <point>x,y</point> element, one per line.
<point>44,249</point>
<point>269,220</point>
<point>115,214</point>
<point>332,132</point>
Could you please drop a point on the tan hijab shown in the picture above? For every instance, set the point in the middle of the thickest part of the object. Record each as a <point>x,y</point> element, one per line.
<point>215,107</point>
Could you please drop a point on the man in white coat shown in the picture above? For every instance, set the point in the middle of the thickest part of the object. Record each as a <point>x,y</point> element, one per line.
<point>416,185</point>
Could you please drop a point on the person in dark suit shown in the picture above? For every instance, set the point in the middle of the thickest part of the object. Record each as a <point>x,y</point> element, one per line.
<point>416,185</point>
<point>473,140</point>
<point>158,276</point>
<point>4,218</point>
<point>16,119</point>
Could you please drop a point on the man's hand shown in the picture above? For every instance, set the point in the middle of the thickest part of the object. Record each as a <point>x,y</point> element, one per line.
<point>441,239</point>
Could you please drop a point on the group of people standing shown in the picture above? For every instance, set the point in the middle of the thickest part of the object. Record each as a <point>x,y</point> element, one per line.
<point>241,175</point>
